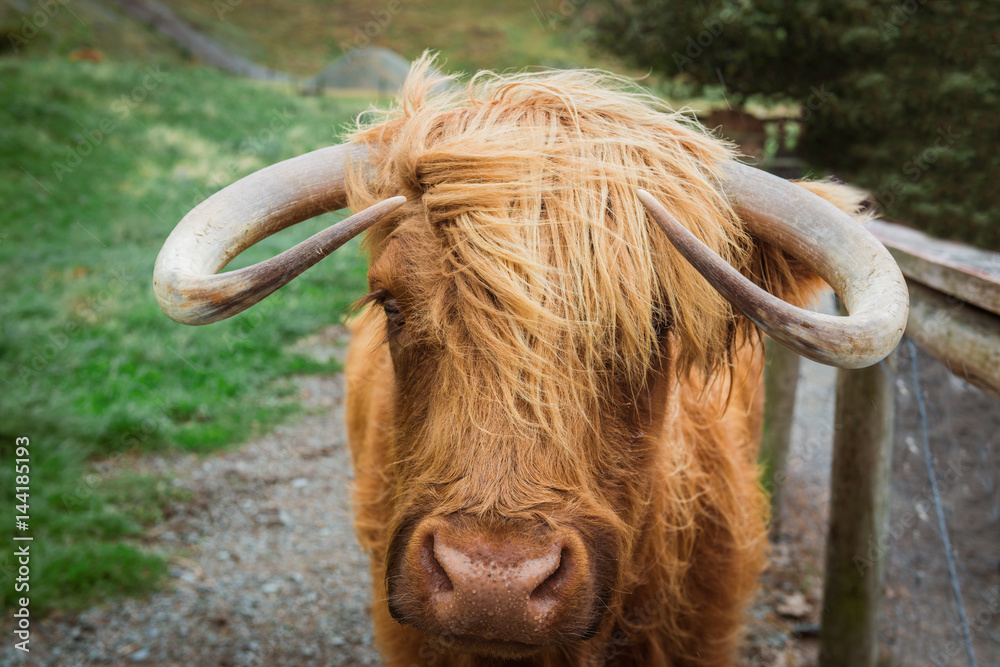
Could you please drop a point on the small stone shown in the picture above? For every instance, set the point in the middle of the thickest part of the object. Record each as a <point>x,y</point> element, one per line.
<point>300,482</point>
<point>794,606</point>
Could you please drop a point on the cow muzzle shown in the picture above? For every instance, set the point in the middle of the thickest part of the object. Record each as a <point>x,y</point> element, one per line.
<point>505,592</point>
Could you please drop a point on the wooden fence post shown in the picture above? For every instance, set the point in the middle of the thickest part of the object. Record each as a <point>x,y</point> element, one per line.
<point>781,378</point>
<point>857,539</point>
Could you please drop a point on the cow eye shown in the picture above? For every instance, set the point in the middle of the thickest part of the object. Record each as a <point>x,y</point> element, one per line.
<point>394,318</point>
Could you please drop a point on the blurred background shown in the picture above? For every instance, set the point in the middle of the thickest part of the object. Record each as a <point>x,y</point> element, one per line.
<point>118,116</point>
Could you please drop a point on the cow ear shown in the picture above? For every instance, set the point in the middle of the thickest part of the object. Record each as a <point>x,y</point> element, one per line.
<point>786,277</point>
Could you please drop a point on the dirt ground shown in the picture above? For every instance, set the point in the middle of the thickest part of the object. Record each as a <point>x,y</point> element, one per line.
<point>921,619</point>
<point>266,569</point>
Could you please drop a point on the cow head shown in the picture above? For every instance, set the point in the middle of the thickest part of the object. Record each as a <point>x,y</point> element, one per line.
<point>538,322</point>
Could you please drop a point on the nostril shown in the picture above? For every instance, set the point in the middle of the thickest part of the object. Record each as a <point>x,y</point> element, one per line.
<point>439,580</point>
<point>549,590</point>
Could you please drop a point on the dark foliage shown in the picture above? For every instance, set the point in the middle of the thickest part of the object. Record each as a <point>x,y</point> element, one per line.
<point>900,97</point>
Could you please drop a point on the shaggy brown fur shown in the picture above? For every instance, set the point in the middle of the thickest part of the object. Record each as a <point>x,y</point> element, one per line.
<point>553,358</point>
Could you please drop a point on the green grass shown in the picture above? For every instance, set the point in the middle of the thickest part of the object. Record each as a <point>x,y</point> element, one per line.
<point>97,164</point>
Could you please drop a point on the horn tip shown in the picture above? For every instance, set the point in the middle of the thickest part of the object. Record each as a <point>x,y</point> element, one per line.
<point>387,206</point>
<point>648,200</point>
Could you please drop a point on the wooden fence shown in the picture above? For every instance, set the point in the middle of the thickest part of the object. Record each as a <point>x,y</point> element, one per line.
<point>955,317</point>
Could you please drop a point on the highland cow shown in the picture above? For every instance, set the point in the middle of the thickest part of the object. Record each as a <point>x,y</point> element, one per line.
<point>553,402</point>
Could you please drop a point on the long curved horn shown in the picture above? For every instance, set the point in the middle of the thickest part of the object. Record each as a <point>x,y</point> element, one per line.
<point>825,239</point>
<point>238,216</point>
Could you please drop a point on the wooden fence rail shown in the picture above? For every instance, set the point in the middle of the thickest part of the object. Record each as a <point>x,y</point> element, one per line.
<point>955,317</point>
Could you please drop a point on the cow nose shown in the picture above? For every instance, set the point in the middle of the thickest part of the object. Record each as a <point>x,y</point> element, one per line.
<point>528,588</point>
<point>496,591</point>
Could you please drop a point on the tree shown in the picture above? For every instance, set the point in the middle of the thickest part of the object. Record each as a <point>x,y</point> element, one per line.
<point>900,97</point>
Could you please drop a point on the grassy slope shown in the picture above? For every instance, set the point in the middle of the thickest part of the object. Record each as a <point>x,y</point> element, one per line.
<point>470,35</point>
<point>97,164</point>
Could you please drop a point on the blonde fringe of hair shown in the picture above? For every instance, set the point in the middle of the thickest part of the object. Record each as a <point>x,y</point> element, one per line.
<point>529,179</point>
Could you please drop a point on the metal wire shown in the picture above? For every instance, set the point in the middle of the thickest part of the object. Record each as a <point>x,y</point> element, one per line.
<point>942,526</point>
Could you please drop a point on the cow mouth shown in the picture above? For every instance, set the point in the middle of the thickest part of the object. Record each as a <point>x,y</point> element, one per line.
<point>507,649</point>
<point>488,648</point>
